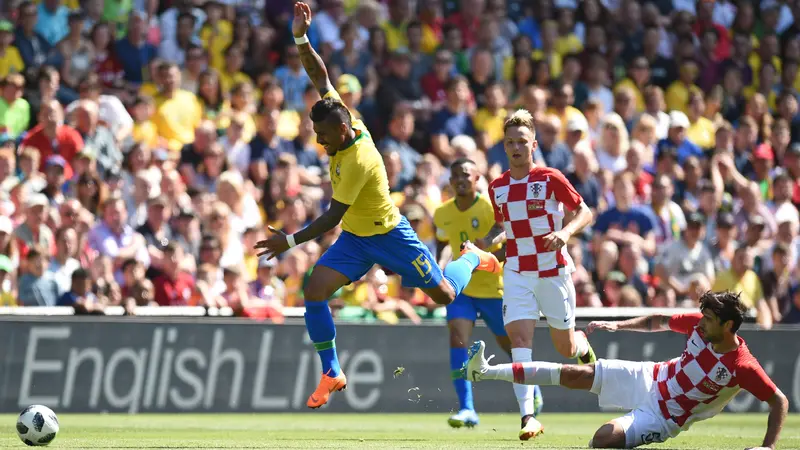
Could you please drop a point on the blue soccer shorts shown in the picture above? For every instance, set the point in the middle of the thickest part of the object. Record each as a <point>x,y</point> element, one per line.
<point>399,250</point>
<point>470,308</point>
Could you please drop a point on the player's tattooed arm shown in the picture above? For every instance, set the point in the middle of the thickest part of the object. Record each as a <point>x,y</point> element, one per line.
<point>322,224</point>
<point>496,235</point>
<point>315,68</point>
<point>312,62</point>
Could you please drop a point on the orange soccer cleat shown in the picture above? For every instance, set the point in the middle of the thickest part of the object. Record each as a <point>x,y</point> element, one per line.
<point>489,262</point>
<point>326,387</point>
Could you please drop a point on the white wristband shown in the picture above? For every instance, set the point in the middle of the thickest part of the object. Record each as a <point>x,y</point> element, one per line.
<point>301,40</point>
<point>290,240</point>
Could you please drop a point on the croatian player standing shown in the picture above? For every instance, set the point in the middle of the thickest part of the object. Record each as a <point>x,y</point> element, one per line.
<point>664,398</point>
<point>529,201</point>
<point>374,232</point>
<point>469,217</point>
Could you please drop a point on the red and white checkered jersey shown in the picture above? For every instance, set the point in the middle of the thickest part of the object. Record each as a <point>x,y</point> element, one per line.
<point>698,384</point>
<point>530,209</point>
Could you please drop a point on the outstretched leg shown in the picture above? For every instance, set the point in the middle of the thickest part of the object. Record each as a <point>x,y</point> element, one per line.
<point>323,283</point>
<point>458,273</point>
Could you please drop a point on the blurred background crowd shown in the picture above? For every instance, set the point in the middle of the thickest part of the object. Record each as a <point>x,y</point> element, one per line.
<point>146,144</point>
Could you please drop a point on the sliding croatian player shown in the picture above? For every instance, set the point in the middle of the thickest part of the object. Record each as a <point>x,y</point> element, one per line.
<point>529,202</point>
<point>663,398</point>
<point>468,217</point>
<point>374,232</point>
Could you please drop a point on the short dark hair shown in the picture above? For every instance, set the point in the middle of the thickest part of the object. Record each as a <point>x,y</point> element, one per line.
<point>726,305</point>
<point>461,162</point>
<point>330,109</point>
<point>80,274</point>
<point>128,263</point>
<point>454,81</point>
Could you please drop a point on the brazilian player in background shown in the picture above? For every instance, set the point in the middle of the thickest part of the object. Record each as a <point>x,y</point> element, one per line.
<point>373,231</point>
<point>469,216</point>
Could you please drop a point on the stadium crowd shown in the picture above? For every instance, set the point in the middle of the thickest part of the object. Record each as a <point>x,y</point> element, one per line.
<point>146,144</point>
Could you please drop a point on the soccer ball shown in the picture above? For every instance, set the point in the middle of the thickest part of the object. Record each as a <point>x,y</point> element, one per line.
<point>37,425</point>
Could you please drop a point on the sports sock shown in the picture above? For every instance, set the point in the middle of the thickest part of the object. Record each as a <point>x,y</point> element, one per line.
<point>458,356</point>
<point>322,331</point>
<point>535,372</point>
<point>459,272</point>
<point>523,392</point>
<point>581,344</point>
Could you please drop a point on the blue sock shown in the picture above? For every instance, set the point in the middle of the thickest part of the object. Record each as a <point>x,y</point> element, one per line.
<point>319,323</point>
<point>459,272</point>
<point>458,356</point>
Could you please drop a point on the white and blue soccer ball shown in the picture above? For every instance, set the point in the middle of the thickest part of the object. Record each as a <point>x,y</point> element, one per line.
<point>37,425</point>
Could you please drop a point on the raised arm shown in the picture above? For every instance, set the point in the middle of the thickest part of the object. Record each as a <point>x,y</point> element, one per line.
<point>651,323</point>
<point>311,60</point>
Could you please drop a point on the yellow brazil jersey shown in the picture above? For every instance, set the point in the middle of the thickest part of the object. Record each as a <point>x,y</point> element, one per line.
<point>456,226</point>
<point>359,179</point>
<point>491,124</point>
<point>637,93</point>
<point>145,133</point>
<point>227,80</point>
<point>702,133</point>
<point>217,43</point>
<point>11,62</point>
<point>748,285</point>
<point>176,118</point>
<point>677,96</point>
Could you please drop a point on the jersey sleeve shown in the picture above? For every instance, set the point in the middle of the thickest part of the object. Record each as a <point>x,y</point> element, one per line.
<point>353,178</point>
<point>684,323</point>
<point>441,234</point>
<point>564,191</point>
<point>498,215</point>
<point>755,380</point>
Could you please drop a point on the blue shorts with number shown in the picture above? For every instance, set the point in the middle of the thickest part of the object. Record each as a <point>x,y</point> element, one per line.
<point>399,250</point>
<point>470,308</point>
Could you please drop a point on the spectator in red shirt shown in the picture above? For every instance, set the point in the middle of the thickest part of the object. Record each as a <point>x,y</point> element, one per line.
<point>468,20</point>
<point>173,287</point>
<point>52,137</point>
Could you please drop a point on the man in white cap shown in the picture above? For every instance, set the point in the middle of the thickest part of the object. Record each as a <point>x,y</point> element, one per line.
<point>676,138</point>
<point>34,231</point>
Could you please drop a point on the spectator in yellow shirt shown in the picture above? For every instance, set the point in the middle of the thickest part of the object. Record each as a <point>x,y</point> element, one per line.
<point>144,130</point>
<point>567,41</point>
<point>210,95</point>
<point>701,131</point>
<point>216,34</point>
<point>232,73</point>
<point>637,80</point>
<point>395,27</point>
<point>741,278</point>
<point>241,101</point>
<point>548,51</point>
<point>10,59</point>
<point>677,95</point>
<point>178,112</point>
<point>7,297</point>
<point>563,98</point>
<point>489,120</point>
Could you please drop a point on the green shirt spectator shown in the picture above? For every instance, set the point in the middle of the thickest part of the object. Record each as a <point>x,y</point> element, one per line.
<point>15,112</point>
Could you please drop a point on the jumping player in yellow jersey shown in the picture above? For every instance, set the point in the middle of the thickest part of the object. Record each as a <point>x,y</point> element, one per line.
<point>373,231</point>
<point>469,216</point>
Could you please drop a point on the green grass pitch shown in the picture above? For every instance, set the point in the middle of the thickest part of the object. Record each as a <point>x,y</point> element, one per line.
<point>379,431</point>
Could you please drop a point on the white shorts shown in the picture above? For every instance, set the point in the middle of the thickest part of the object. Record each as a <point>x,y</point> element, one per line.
<point>524,296</point>
<point>629,385</point>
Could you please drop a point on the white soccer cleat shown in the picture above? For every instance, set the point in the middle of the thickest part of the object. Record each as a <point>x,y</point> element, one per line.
<point>477,364</point>
<point>464,418</point>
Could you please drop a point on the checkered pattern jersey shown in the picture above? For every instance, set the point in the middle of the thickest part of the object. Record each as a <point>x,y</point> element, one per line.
<point>698,384</point>
<point>529,209</point>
